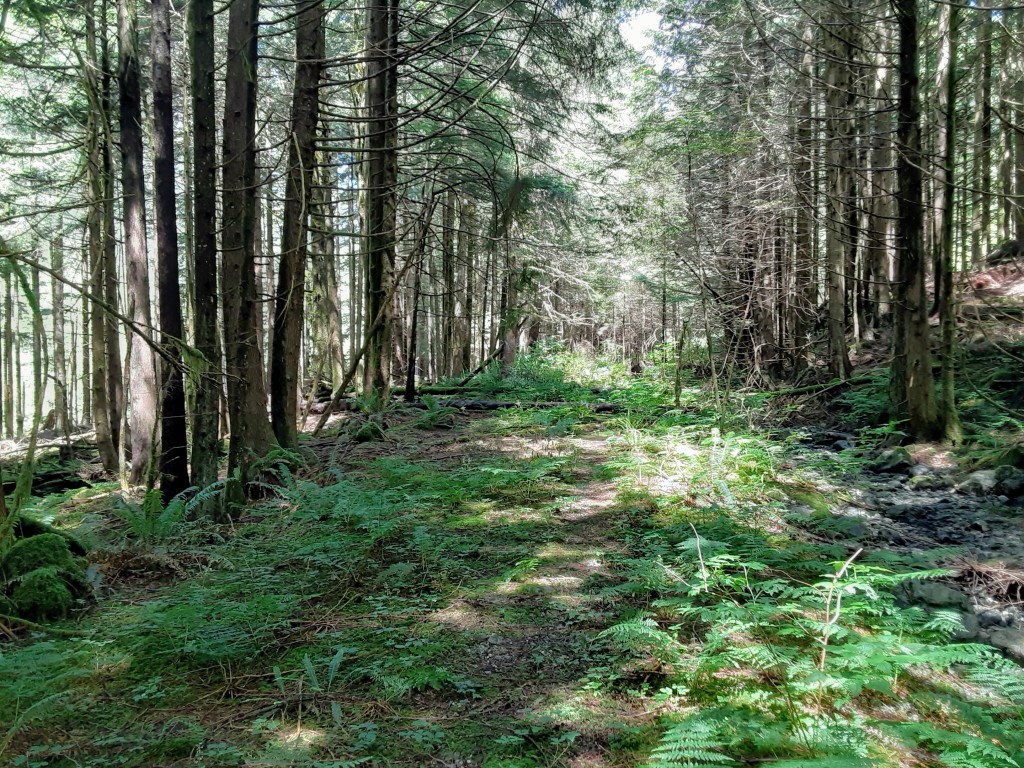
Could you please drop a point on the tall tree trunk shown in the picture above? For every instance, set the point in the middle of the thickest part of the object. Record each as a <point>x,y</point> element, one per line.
<point>949,29</point>
<point>325,270</point>
<point>142,378</point>
<point>112,336</point>
<point>982,154</point>
<point>840,97</point>
<point>173,466</point>
<point>251,435</point>
<point>205,417</point>
<point>99,394</point>
<point>9,381</point>
<point>803,267</point>
<point>447,284</point>
<point>467,223</point>
<point>291,276</point>
<point>381,161</point>
<point>912,392</point>
<point>60,368</point>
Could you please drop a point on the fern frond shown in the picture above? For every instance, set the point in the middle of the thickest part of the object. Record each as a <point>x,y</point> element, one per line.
<point>692,743</point>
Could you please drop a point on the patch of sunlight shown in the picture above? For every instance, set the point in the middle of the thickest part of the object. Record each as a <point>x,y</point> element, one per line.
<point>463,617</point>
<point>297,736</point>
<point>544,585</point>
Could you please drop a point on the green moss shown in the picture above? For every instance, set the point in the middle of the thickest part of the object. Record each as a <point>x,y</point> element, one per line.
<point>26,527</point>
<point>47,549</point>
<point>42,594</point>
<point>7,607</point>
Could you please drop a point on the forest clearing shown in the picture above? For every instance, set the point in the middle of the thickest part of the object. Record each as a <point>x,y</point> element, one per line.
<point>491,384</point>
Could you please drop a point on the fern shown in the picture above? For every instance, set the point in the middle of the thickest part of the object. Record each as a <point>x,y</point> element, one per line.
<point>692,743</point>
<point>642,633</point>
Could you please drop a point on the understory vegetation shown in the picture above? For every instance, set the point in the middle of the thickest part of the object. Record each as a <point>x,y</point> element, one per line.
<point>663,585</point>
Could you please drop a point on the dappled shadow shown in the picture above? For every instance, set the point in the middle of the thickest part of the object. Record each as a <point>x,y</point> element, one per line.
<point>496,660</point>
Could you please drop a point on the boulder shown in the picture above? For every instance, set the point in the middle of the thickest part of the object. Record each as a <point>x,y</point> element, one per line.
<point>42,594</point>
<point>1009,481</point>
<point>928,483</point>
<point>980,483</point>
<point>937,595</point>
<point>46,549</point>
<point>893,460</point>
<point>1010,641</point>
<point>970,627</point>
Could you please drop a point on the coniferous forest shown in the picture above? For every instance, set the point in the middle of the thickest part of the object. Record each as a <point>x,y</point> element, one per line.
<point>511,383</point>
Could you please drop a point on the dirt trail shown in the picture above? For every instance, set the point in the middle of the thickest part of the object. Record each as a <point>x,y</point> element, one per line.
<point>543,622</point>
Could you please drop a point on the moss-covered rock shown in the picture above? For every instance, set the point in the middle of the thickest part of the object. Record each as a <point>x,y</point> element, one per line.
<point>42,594</point>
<point>26,555</point>
<point>26,527</point>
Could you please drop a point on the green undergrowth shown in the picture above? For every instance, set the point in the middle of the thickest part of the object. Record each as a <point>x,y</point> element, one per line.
<point>549,587</point>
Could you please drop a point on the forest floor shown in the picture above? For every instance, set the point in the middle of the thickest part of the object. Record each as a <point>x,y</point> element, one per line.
<point>532,587</point>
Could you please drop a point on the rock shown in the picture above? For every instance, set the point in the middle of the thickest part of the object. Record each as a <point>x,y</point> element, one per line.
<point>970,629</point>
<point>979,525</point>
<point>1009,481</point>
<point>1011,641</point>
<point>42,594</point>
<point>990,617</point>
<point>895,460</point>
<point>843,445</point>
<point>920,469</point>
<point>46,549</point>
<point>980,483</point>
<point>901,511</point>
<point>928,483</point>
<point>937,595</point>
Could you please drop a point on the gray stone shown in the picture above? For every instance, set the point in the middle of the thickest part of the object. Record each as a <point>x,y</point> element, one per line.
<point>938,595</point>
<point>990,617</point>
<point>901,511</point>
<point>970,627</point>
<point>920,469</point>
<point>928,483</point>
<point>896,460</point>
<point>1009,481</point>
<point>1011,641</point>
<point>979,525</point>
<point>980,483</point>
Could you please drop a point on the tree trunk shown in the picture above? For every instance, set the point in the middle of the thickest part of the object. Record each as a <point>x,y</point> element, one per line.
<point>840,97</point>
<point>251,435</point>
<point>206,416</point>
<point>111,363</point>
<point>173,464</point>
<point>60,369</point>
<point>98,398</point>
<point>291,276</point>
<point>949,28</point>
<point>381,161</point>
<point>142,378</point>
<point>912,393</point>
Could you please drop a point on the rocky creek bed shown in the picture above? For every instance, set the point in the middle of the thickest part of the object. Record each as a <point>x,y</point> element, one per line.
<point>918,503</point>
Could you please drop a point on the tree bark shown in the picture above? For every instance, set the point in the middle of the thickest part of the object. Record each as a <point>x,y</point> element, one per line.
<point>173,462</point>
<point>142,378</point>
<point>291,277</point>
<point>381,161</point>
<point>948,34</point>
<point>206,416</point>
<point>912,394</point>
<point>251,435</point>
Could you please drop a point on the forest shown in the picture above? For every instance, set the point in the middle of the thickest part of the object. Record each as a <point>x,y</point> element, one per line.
<point>511,383</point>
